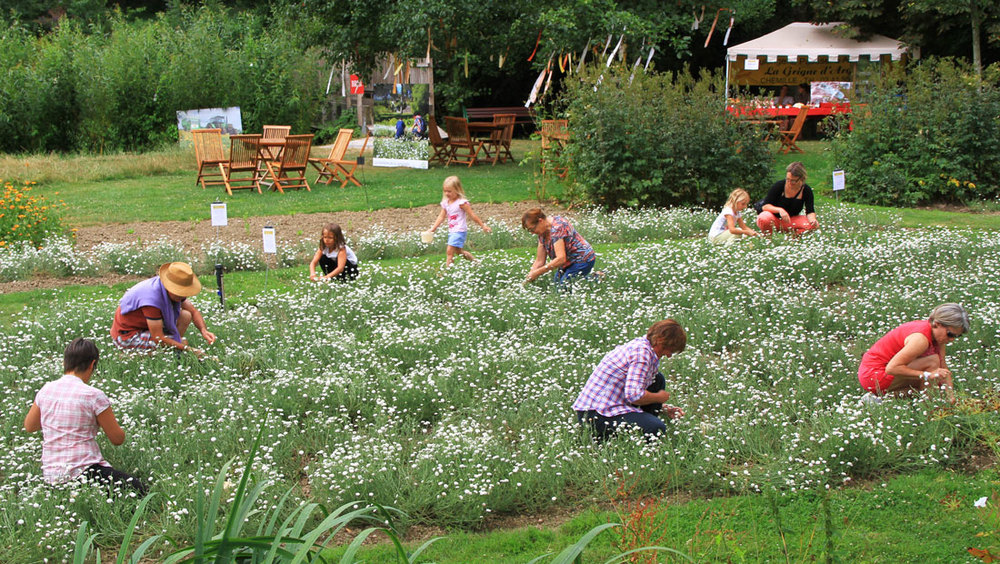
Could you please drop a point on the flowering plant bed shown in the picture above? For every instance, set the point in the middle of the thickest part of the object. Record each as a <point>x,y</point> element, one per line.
<point>447,393</point>
<point>405,151</point>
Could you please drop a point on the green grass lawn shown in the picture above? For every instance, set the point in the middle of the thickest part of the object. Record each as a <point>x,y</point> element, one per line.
<point>924,517</point>
<point>818,161</point>
<point>115,190</point>
<point>173,195</point>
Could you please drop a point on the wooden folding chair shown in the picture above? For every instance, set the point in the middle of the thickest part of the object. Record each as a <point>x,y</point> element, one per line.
<point>555,134</point>
<point>290,170</point>
<point>209,154</point>
<point>276,131</point>
<point>244,156</point>
<point>503,148</point>
<point>327,166</point>
<point>442,151</point>
<point>333,166</point>
<point>788,138</point>
<point>460,140</point>
<point>273,133</point>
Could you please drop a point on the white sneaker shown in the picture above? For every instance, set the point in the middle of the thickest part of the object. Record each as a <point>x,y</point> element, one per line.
<point>870,399</point>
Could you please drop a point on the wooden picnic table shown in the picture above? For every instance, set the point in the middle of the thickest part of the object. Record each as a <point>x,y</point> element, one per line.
<point>487,132</point>
<point>268,150</point>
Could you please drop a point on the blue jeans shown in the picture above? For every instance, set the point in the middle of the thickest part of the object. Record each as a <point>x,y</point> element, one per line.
<point>648,419</point>
<point>572,271</point>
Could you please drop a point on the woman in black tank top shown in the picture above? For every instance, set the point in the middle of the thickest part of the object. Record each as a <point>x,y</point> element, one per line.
<point>781,209</point>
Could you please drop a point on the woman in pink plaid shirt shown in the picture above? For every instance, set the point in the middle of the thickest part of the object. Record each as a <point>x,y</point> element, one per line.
<point>627,388</point>
<point>69,412</point>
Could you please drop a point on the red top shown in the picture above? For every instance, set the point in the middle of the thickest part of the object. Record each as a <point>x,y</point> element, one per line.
<point>126,325</point>
<point>892,342</point>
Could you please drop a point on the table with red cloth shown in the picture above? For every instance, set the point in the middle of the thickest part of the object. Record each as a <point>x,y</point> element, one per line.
<point>774,118</point>
<point>821,111</point>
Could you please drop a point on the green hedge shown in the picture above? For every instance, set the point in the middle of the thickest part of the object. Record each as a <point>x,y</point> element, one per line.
<point>72,90</point>
<point>929,134</point>
<point>659,140</point>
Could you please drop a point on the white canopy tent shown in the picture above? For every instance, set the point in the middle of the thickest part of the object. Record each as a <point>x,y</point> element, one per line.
<point>776,58</point>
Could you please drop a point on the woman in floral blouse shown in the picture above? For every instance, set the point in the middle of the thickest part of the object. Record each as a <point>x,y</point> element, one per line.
<point>560,247</point>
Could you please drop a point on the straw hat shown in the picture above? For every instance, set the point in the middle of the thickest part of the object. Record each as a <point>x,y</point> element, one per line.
<point>179,279</point>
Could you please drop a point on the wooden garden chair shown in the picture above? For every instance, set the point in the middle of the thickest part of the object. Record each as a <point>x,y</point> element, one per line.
<point>336,165</point>
<point>789,137</point>
<point>555,134</point>
<point>209,154</point>
<point>503,148</point>
<point>244,156</point>
<point>274,133</point>
<point>290,170</point>
<point>464,149</point>
<point>326,166</point>
<point>441,148</point>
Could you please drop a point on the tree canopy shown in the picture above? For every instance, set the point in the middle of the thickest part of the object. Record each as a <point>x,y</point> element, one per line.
<point>491,51</point>
<point>942,27</point>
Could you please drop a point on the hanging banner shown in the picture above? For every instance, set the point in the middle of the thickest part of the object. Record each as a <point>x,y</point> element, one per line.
<point>534,89</point>
<point>535,50</point>
<point>583,57</point>
<point>785,73</point>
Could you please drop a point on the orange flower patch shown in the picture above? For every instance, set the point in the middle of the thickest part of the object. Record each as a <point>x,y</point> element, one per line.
<point>33,218</point>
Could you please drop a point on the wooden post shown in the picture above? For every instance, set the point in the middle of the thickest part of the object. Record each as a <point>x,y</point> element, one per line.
<point>361,113</point>
<point>430,89</point>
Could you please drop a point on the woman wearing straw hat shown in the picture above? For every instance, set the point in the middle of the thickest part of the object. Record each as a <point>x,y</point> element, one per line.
<point>157,311</point>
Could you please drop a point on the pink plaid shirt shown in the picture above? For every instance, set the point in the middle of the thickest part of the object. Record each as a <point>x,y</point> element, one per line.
<point>69,410</point>
<point>620,379</point>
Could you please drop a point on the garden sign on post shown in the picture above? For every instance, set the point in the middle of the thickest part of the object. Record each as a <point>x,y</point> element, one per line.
<point>270,247</point>
<point>838,182</point>
<point>220,218</point>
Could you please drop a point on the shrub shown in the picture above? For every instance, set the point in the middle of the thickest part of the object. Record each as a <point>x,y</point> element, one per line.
<point>659,140</point>
<point>76,90</point>
<point>26,217</point>
<point>328,134</point>
<point>928,134</point>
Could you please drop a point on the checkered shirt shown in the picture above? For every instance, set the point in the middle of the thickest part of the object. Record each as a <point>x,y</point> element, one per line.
<point>69,410</point>
<point>620,379</point>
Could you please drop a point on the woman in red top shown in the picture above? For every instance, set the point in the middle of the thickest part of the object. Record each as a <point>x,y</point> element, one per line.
<point>911,356</point>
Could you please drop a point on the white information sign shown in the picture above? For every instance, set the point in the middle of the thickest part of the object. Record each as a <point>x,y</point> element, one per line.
<point>269,245</point>
<point>838,180</point>
<point>751,64</point>
<point>219,215</point>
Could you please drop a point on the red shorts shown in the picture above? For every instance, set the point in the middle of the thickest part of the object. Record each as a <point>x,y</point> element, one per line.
<point>767,222</point>
<point>874,379</point>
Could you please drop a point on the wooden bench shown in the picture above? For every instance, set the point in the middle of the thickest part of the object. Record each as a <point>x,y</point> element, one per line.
<point>524,115</point>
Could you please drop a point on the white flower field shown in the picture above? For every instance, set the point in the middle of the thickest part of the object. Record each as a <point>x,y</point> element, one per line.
<point>447,394</point>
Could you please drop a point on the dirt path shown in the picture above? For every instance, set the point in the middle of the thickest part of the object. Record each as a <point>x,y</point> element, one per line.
<point>288,229</point>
